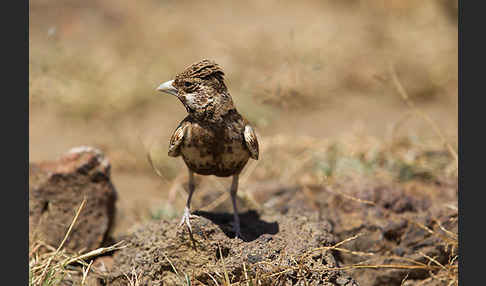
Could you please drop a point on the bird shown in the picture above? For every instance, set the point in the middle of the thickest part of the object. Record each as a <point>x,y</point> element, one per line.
<point>214,138</point>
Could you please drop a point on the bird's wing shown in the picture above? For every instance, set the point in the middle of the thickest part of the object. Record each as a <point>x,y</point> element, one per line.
<point>251,141</point>
<point>177,138</point>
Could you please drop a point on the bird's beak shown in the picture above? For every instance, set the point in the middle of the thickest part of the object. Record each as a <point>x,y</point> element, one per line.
<point>167,87</point>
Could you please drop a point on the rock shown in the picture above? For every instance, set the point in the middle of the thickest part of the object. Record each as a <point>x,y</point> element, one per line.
<point>56,190</point>
<point>275,248</point>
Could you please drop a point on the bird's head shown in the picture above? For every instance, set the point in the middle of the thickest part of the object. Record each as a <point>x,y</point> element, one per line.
<point>201,89</point>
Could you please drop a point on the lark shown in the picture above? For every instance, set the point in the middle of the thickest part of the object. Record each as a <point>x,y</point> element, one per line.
<point>214,139</point>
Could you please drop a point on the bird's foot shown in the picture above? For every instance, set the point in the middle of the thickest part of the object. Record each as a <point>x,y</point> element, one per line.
<point>185,219</point>
<point>237,231</point>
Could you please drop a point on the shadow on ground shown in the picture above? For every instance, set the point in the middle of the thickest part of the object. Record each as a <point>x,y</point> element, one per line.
<point>252,227</point>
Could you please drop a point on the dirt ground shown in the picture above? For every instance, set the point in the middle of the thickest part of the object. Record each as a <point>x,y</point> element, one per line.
<point>337,137</point>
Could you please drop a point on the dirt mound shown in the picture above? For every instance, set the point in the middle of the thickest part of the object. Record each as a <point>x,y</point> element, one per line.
<point>388,234</point>
<point>276,247</point>
<point>400,233</point>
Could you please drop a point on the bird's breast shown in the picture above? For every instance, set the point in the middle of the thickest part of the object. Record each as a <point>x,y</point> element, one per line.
<point>208,152</point>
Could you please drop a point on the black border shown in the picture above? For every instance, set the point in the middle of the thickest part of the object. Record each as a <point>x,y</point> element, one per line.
<point>15,127</point>
<point>471,88</point>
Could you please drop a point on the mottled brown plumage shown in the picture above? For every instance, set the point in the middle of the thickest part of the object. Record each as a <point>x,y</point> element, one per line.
<point>214,139</point>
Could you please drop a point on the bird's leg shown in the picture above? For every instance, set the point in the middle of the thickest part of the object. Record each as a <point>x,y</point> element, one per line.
<point>234,189</point>
<point>187,213</point>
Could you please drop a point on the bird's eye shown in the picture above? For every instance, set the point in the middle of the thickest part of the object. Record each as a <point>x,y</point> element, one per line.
<point>187,84</point>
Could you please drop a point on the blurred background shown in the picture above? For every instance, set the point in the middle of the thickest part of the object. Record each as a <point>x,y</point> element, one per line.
<point>317,79</point>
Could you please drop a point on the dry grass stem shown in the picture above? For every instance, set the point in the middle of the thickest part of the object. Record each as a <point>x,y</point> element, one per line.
<point>246,274</point>
<point>96,252</point>
<point>172,265</point>
<point>133,279</point>
<point>226,277</point>
<point>85,272</point>
<point>41,278</point>
<point>212,278</point>
<point>156,170</point>
<point>403,93</point>
<point>433,260</point>
<point>215,203</point>
<point>41,265</point>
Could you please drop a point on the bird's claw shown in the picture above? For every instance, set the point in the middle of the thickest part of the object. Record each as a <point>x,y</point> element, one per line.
<point>237,231</point>
<point>185,219</point>
<point>238,235</point>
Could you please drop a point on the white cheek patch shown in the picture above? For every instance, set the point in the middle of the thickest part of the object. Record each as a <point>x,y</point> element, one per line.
<point>190,98</point>
<point>193,101</point>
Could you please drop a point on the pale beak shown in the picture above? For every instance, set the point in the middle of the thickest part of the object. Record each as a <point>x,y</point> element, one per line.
<point>167,87</point>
